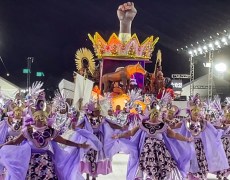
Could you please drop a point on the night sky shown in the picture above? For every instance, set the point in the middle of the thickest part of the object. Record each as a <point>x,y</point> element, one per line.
<point>52,30</point>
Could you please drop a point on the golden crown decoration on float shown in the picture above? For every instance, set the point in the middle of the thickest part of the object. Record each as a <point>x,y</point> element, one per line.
<point>132,48</point>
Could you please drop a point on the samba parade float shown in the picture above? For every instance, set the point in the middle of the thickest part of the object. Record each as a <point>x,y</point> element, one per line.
<point>120,64</point>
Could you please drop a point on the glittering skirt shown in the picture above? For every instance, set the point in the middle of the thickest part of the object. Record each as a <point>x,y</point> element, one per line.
<point>95,162</point>
<point>156,162</point>
<point>2,169</point>
<point>201,160</point>
<point>226,144</point>
<point>41,167</point>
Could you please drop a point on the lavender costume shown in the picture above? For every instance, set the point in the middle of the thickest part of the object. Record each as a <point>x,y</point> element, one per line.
<point>9,131</point>
<point>158,157</point>
<point>95,162</point>
<point>84,135</point>
<point>226,144</point>
<point>40,157</point>
<point>207,148</point>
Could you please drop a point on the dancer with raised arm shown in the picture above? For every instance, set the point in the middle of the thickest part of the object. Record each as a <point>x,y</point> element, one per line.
<point>39,157</point>
<point>156,158</point>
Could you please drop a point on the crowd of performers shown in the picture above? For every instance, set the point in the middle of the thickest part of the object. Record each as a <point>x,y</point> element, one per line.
<point>41,140</point>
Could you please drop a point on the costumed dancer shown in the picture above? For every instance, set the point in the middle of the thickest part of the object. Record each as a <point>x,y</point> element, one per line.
<point>169,115</point>
<point>83,133</point>
<point>115,124</point>
<point>61,110</point>
<point>39,155</point>
<point>224,123</point>
<point>208,153</point>
<point>134,117</point>
<point>95,162</point>
<point>12,124</point>
<point>158,158</point>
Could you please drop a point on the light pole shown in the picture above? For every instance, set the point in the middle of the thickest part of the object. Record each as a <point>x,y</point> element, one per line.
<point>30,60</point>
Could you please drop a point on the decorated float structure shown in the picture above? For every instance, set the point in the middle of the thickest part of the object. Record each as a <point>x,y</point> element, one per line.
<point>121,66</point>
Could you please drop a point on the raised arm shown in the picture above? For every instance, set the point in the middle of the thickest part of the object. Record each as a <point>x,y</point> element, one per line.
<point>16,141</point>
<point>126,13</point>
<point>172,134</point>
<point>61,140</point>
<point>127,134</point>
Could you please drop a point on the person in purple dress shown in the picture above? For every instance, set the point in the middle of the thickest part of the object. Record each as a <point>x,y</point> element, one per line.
<point>207,150</point>
<point>95,162</point>
<point>156,159</point>
<point>39,156</point>
<point>10,128</point>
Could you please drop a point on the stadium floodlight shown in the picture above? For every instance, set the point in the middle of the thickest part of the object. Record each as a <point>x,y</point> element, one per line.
<point>221,67</point>
<point>214,42</point>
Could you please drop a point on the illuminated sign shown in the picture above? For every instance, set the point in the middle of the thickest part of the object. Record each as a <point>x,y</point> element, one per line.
<point>180,76</point>
<point>177,85</point>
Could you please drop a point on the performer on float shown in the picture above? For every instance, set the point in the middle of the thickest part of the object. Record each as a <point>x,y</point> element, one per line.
<point>151,139</point>
<point>208,153</point>
<point>39,156</point>
<point>157,79</point>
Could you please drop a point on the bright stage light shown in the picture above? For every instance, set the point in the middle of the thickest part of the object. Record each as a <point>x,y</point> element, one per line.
<point>8,74</point>
<point>215,42</point>
<point>224,40</point>
<point>221,67</point>
<point>190,52</point>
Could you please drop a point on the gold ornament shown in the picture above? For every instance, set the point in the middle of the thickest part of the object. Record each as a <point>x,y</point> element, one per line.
<point>128,47</point>
<point>85,54</point>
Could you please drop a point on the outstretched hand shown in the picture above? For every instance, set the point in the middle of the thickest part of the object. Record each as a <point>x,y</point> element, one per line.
<point>126,12</point>
<point>84,145</point>
<point>190,139</point>
<point>115,136</point>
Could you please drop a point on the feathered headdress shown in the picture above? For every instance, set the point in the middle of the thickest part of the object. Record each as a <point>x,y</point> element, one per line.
<point>194,103</point>
<point>134,95</point>
<point>173,109</point>
<point>218,112</point>
<point>35,91</point>
<point>59,101</point>
<point>208,106</point>
<point>92,106</point>
<point>165,100</point>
